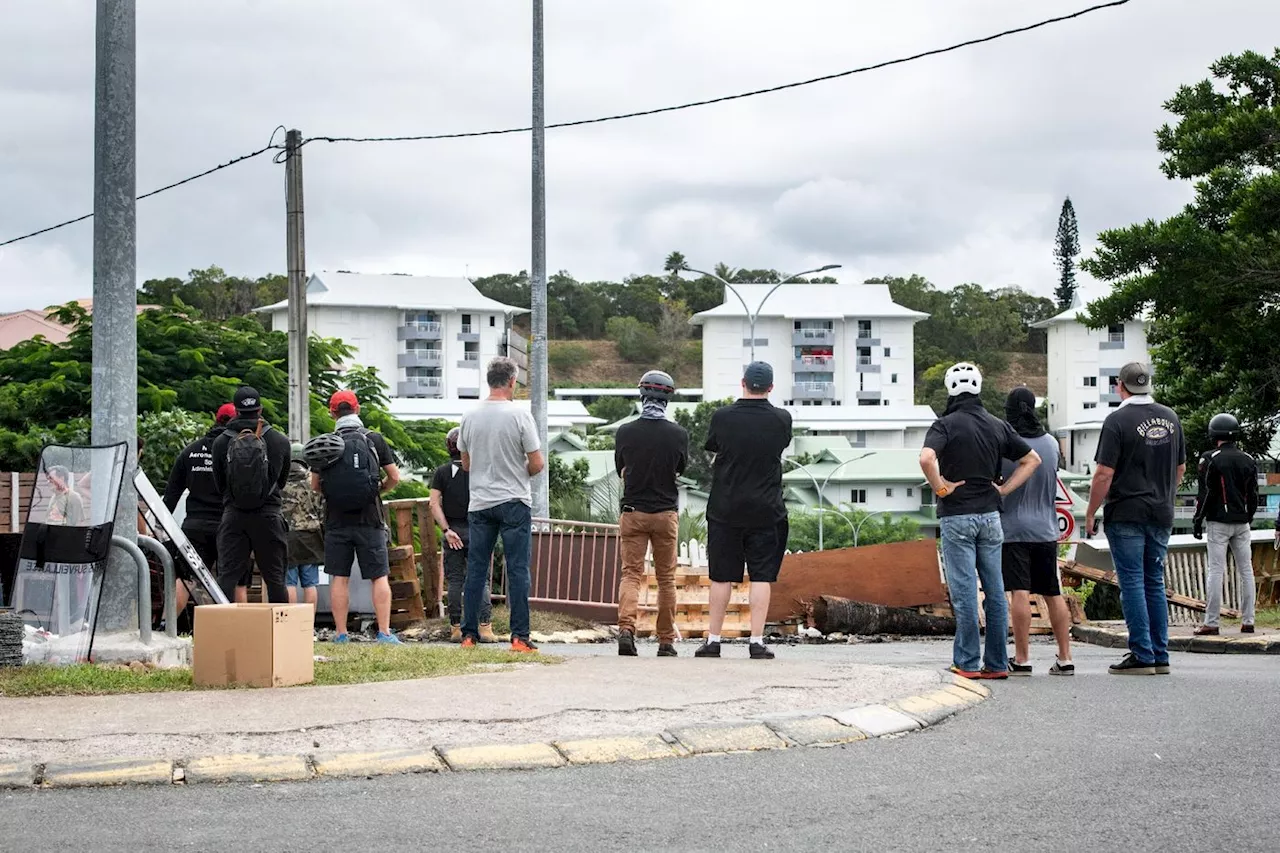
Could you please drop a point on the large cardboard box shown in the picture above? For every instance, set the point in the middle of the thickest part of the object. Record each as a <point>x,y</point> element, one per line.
<point>261,645</point>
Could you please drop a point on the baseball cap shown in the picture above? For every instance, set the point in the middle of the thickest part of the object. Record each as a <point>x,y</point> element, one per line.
<point>758,376</point>
<point>342,397</point>
<point>1136,376</point>
<point>226,412</point>
<point>247,399</point>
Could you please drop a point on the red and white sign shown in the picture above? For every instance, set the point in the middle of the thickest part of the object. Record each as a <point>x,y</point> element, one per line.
<point>1064,496</point>
<point>1066,524</point>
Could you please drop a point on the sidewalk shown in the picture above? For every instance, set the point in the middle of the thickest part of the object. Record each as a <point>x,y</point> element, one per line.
<point>1113,634</point>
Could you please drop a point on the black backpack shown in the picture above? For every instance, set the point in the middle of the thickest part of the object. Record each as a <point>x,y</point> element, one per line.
<point>248,473</point>
<point>354,481</point>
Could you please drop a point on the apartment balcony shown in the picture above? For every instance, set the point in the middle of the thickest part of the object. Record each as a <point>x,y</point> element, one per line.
<point>469,361</point>
<point>864,365</point>
<point>420,332</point>
<point>813,338</point>
<point>430,387</point>
<point>1113,340</point>
<point>470,333</point>
<point>420,358</point>
<point>813,391</point>
<point>865,340</point>
<point>814,364</point>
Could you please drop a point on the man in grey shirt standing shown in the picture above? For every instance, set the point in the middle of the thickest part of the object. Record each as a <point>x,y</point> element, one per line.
<point>1029,557</point>
<point>501,453</point>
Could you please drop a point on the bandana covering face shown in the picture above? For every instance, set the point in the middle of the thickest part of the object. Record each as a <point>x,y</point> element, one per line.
<point>349,422</point>
<point>1020,412</point>
<point>654,409</point>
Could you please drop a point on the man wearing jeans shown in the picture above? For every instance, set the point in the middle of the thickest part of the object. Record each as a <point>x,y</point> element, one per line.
<point>500,451</point>
<point>1141,460</point>
<point>1225,504</point>
<point>961,460</point>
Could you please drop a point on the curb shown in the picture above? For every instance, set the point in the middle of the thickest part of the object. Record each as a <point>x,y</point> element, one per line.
<point>785,731</point>
<point>1245,644</point>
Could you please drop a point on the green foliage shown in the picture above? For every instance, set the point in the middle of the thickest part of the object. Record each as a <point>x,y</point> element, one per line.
<point>837,531</point>
<point>698,468</point>
<point>1066,248</point>
<point>409,490</point>
<point>612,409</point>
<point>565,481</point>
<point>1209,276</point>
<point>693,527</point>
<point>424,445</point>
<point>564,357</point>
<point>165,434</point>
<point>214,294</point>
<point>601,441</point>
<point>637,342</point>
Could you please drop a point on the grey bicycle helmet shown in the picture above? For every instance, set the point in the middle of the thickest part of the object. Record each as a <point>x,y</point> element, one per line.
<point>323,450</point>
<point>658,385</point>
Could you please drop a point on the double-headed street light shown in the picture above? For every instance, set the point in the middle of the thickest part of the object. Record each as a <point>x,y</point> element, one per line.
<point>857,529</point>
<point>821,489</point>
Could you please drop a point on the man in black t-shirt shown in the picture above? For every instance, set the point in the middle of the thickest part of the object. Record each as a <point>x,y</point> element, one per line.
<point>1141,460</point>
<point>450,497</point>
<point>649,453</point>
<point>962,458</point>
<point>746,518</point>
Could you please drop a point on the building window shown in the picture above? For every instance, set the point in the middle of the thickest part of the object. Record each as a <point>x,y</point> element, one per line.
<point>493,321</point>
<point>864,355</point>
<point>926,496</point>
<point>864,328</point>
<point>886,352</point>
<point>1091,382</point>
<point>1113,405</point>
<point>893,379</point>
<point>868,403</point>
<point>859,496</point>
<point>1115,334</point>
<point>885,402</point>
<point>888,493</point>
<point>467,328</point>
<point>911,492</point>
<point>1091,405</point>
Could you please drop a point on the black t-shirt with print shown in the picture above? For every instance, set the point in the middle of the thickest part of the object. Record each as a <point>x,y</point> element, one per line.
<point>971,443</point>
<point>1142,440</point>
<point>454,485</point>
<point>748,439</point>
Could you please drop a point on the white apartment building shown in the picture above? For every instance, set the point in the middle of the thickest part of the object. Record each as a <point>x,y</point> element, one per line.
<point>1083,365</point>
<point>829,344</point>
<point>429,337</point>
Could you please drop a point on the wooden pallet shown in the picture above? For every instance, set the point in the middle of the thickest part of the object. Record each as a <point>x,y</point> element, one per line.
<point>693,607</point>
<point>406,591</point>
<point>1040,623</point>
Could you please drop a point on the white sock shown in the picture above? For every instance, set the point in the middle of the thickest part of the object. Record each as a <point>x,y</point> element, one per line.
<point>759,641</point>
<point>713,638</point>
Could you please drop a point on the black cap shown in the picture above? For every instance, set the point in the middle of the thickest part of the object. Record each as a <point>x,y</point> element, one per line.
<point>1136,376</point>
<point>758,376</point>
<point>247,399</point>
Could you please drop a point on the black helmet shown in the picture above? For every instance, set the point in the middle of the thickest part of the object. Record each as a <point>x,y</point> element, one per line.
<point>657,385</point>
<point>1224,427</point>
<point>323,450</point>
<point>451,441</point>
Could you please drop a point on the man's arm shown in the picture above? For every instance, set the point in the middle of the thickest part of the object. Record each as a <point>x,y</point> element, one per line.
<point>1098,489</point>
<point>177,483</point>
<point>219,454</point>
<point>536,463</point>
<point>932,472</point>
<point>1026,467</point>
<point>532,446</point>
<point>391,478</point>
<point>1203,494</point>
<point>466,462</point>
<point>285,454</point>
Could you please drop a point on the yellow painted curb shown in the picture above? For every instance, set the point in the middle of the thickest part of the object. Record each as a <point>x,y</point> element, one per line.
<point>607,750</point>
<point>17,775</point>
<point>501,756</point>
<point>817,731</point>
<point>248,767</point>
<point>966,696</point>
<point>971,685</point>
<point>746,737</point>
<point>951,700</point>
<point>109,771</point>
<point>382,763</point>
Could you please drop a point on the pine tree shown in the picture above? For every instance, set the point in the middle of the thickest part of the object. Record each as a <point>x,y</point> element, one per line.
<point>1066,249</point>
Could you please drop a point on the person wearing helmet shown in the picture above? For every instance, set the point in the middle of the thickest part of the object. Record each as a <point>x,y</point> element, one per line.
<point>304,513</point>
<point>1141,459</point>
<point>450,496</point>
<point>649,454</point>
<point>962,457</point>
<point>1225,504</point>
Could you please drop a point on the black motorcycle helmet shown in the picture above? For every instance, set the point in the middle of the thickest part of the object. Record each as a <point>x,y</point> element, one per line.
<point>1224,427</point>
<point>657,385</point>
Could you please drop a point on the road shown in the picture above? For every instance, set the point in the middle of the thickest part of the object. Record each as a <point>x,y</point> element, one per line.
<point>1184,762</point>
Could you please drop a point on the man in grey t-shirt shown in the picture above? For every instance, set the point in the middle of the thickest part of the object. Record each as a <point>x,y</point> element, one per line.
<point>1029,556</point>
<point>501,452</point>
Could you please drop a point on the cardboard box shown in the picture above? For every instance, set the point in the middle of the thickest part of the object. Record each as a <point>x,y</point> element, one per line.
<point>261,645</point>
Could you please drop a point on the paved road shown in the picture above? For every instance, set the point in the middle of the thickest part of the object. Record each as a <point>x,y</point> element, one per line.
<point>1181,763</point>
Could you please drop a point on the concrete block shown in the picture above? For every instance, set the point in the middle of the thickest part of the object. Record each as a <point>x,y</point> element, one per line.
<point>17,775</point>
<point>1176,644</point>
<point>248,767</point>
<point>1247,645</point>
<point>109,771</point>
<point>1208,645</point>
<point>384,763</point>
<point>950,699</point>
<point>924,709</point>
<point>878,720</point>
<point>811,731</point>
<point>969,697</point>
<point>745,737</point>
<point>973,686</point>
<point>607,750</point>
<point>502,756</point>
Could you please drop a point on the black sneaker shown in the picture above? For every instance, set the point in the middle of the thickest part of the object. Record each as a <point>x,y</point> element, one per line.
<point>1019,668</point>
<point>1060,668</point>
<point>708,650</point>
<point>627,644</point>
<point>666,650</point>
<point>759,651</point>
<point>1132,666</point>
<point>1162,667</point>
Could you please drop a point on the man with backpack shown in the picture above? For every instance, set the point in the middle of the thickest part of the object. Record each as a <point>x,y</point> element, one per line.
<point>450,497</point>
<point>250,469</point>
<point>352,467</point>
<point>193,473</point>
<point>304,513</point>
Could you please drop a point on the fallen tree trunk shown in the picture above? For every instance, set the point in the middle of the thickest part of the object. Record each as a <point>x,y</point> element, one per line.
<point>1070,567</point>
<point>830,614</point>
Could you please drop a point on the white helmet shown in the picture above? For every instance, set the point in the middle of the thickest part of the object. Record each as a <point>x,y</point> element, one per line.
<point>963,378</point>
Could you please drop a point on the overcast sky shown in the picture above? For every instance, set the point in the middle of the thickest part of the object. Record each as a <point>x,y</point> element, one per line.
<point>953,167</point>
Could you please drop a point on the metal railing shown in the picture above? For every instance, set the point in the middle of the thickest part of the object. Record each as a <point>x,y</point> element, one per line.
<point>819,361</point>
<point>470,329</point>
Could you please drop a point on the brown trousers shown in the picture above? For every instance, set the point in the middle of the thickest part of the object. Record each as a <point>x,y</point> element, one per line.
<point>638,530</point>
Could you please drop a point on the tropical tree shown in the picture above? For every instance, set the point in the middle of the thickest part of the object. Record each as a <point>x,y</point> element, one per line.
<point>1066,248</point>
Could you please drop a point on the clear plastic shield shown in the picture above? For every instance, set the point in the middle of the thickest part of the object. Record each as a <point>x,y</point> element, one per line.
<point>65,546</point>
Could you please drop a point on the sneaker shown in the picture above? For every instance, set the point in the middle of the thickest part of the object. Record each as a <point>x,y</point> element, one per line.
<point>1016,668</point>
<point>389,639</point>
<point>486,633</point>
<point>342,639</point>
<point>1162,668</point>
<point>627,644</point>
<point>1206,631</point>
<point>964,673</point>
<point>468,642</point>
<point>1246,629</point>
<point>708,650</point>
<point>666,650</point>
<point>1132,666</point>
<point>523,645</point>
<point>1060,668</point>
<point>993,675</point>
<point>759,651</point>
<point>455,633</point>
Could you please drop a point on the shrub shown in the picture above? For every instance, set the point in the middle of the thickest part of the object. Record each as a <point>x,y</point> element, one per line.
<point>637,342</point>
<point>564,357</point>
<point>612,409</point>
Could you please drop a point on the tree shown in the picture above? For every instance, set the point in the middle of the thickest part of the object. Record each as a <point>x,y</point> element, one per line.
<point>612,409</point>
<point>637,342</point>
<point>1066,248</point>
<point>1208,278</point>
<point>837,532</point>
<point>214,294</point>
<point>697,423</point>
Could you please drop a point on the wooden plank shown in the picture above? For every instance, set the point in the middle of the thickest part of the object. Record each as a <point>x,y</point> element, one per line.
<point>1109,577</point>
<point>404,527</point>
<point>898,574</point>
<point>429,558</point>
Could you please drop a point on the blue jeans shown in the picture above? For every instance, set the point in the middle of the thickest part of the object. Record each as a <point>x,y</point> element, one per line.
<point>1138,552</point>
<point>971,552</point>
<point>305,576</point>
<point>511,521</point>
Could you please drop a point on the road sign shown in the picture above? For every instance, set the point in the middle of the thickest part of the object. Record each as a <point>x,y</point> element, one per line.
<point>1066,524</point>
<point>1064,496</point>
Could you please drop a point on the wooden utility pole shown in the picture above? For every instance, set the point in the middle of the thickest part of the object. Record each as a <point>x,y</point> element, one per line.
<point>299,372</point>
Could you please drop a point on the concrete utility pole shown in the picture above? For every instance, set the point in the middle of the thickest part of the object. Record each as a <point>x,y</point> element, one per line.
<point>115,286</point>
<point>538,278</point>
<point>299,364</point>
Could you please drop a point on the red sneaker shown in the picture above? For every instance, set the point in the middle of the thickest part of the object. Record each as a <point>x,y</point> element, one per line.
<point>468,642</point>
<point>520,644</point>
<point>992,675</point>
<point>964,673</point>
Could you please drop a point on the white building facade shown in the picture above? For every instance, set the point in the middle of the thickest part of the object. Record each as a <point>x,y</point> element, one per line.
<point>829,344</point>
<point>428,337</point>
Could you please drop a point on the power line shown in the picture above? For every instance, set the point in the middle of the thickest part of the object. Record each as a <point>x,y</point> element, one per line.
<point>602,119</point>
<point>691,104</point>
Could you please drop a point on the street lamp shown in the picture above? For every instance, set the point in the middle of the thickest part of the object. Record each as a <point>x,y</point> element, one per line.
<point>752,316</point>
<point>847,520</point>
<point>822,489</point>
<point>863,521</point>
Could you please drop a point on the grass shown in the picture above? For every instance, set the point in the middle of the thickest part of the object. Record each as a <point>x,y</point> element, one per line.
<point>1266,617</point>
<point>357,663</point>
<point>540,622</point>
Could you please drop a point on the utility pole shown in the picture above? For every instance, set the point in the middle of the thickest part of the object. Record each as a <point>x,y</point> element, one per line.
<point>299,365</point>
<point>538,279</point>
<point>115,286</point>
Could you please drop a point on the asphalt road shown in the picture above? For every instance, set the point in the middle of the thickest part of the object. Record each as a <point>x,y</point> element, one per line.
<point>1185,762</point>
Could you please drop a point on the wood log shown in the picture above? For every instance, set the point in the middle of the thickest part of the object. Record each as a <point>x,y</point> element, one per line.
<point>830,614</point>
<point>1071,567</point>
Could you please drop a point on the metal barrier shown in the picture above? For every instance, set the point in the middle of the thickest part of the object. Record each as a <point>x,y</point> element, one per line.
<point>144,586</point>
<point>170,608</point>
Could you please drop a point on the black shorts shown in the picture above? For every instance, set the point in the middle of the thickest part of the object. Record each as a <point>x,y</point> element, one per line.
<point>344,545</point>
<point>1031,566</point>
<point>759,549</point>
